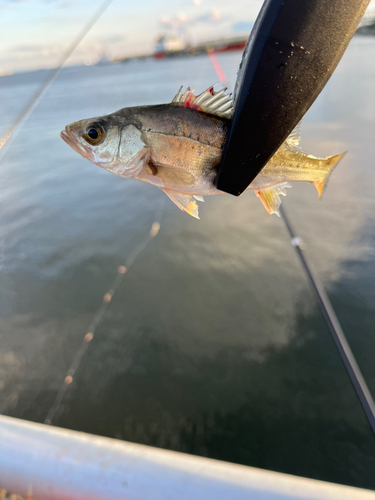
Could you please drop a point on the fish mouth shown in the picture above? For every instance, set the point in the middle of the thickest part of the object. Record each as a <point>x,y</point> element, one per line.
<point>67,136</point>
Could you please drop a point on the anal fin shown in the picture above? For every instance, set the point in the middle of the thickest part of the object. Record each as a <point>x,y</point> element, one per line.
<point>185,202</point>
<point>270,197</point>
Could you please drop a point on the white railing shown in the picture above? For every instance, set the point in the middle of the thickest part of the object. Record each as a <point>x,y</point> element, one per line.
<point>50,463</point>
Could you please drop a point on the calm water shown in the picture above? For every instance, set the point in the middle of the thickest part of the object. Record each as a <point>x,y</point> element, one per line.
<point>213,345</point>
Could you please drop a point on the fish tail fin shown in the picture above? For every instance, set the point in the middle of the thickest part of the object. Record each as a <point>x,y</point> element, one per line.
<point>330,163</point>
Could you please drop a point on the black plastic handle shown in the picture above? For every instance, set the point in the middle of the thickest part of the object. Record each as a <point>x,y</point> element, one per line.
<point>291,53</point>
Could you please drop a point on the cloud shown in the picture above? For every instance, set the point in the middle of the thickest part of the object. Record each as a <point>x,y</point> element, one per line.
<point>25,50</point>
<point>65,4</point>
<point>28,48</point>
<point>212,17</point>
<point>114,39</point>
<point>62,2</point>
<point>182,21</point>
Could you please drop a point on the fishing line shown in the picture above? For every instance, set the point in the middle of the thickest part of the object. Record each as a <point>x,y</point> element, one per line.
<point>98,316</point>
<point>15,127</point>
<point>217,67</point>
<point>329,315</point>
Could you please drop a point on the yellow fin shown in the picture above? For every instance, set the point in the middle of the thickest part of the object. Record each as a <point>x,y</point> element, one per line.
<point>270,197</point>
<point>330,162</point>
<point>185,202</point>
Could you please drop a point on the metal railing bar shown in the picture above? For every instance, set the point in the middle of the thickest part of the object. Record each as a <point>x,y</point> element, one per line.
<point>56,464</point>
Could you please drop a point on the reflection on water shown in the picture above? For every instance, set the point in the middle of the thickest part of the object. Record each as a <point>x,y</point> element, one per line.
<point>213,344</point>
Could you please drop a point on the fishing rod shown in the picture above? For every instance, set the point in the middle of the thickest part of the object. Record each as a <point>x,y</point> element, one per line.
<point>334,327</point>
<point>15,127</point>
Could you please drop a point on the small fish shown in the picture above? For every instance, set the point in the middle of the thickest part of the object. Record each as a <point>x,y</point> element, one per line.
<point>177,147</point>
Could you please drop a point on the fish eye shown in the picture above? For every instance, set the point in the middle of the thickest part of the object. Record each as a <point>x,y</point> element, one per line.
<point>94,134</point>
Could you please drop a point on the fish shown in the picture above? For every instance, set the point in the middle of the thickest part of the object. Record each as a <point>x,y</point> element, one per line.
<point>177,147</point>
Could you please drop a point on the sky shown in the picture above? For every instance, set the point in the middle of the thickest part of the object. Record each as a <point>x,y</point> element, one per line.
<point>35,33</point>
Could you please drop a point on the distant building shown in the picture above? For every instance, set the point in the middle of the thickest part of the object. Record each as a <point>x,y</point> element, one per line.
<point>167,45</point>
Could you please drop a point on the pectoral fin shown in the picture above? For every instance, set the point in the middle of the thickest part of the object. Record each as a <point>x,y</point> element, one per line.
<point>173,175</point>
<point>184,202</point>
<point>270,197</point>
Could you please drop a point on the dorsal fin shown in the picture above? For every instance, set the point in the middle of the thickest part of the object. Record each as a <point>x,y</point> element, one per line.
<point>209,101</point>
<point>295,136</point>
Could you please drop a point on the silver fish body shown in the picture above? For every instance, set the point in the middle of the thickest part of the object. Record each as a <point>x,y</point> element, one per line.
<point>178,146</point>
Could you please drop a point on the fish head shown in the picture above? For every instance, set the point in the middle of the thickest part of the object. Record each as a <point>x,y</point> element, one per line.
<point>93,139</point>
<point>118,148</point>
